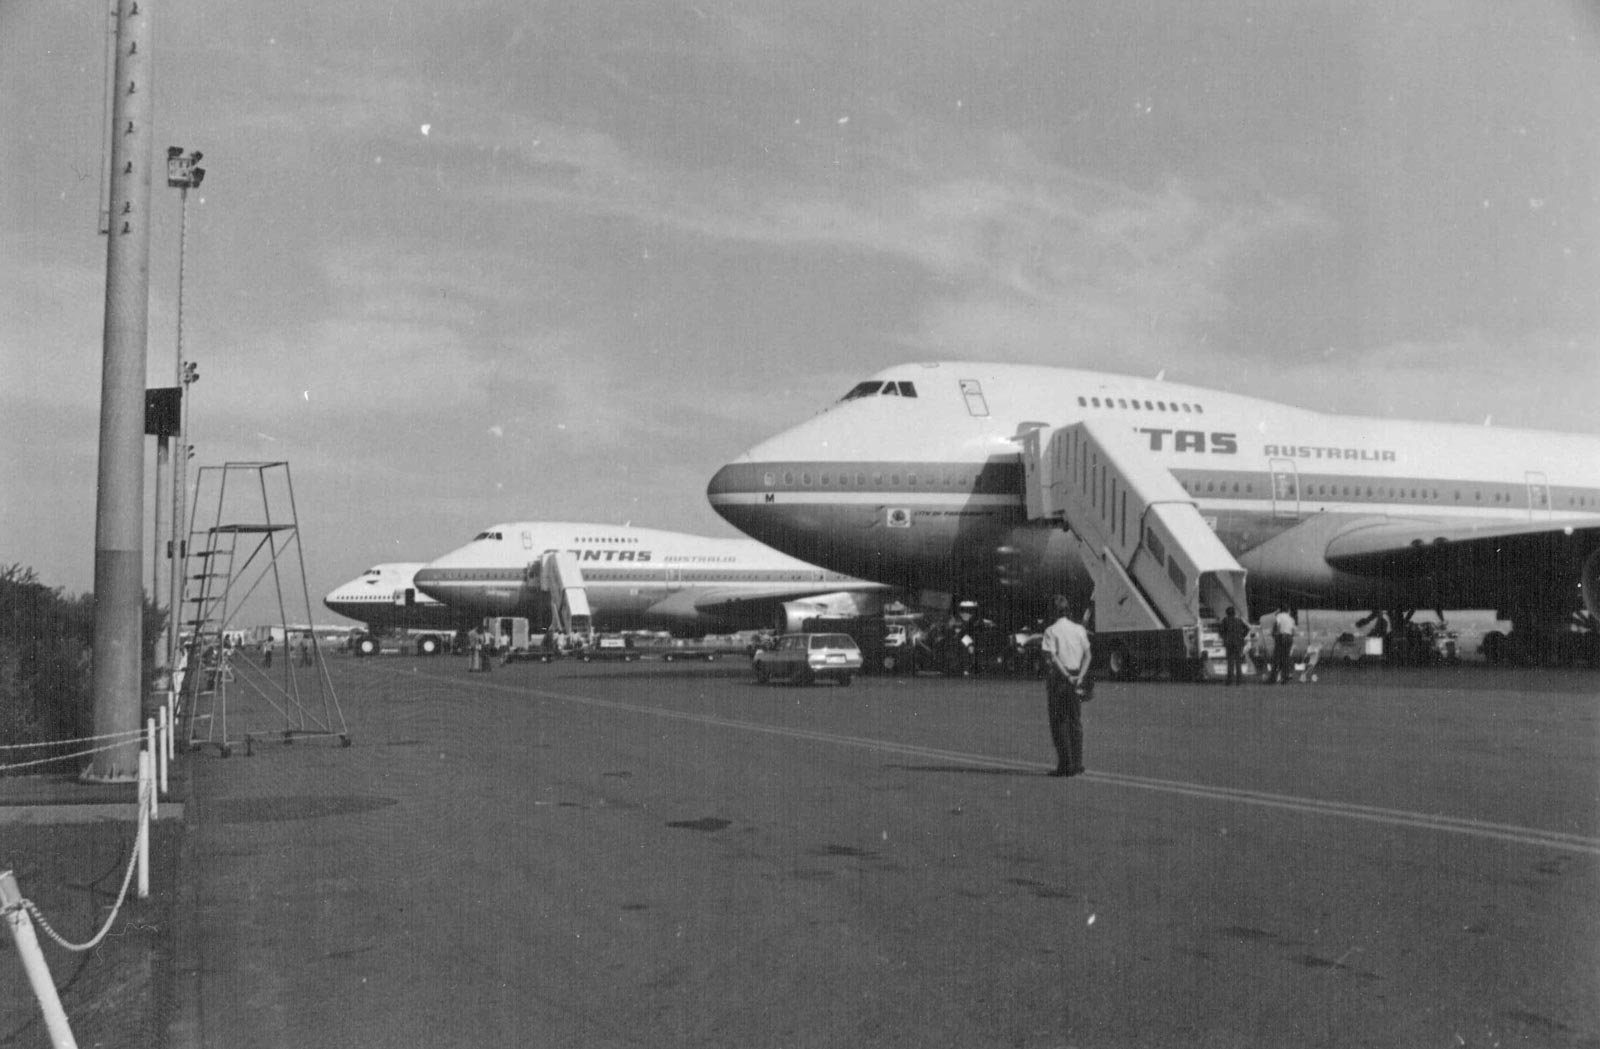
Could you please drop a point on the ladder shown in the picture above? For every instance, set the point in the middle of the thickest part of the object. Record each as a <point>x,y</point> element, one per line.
<point>1156,565</point>
<point>237,560</point>
<point>558,577</point>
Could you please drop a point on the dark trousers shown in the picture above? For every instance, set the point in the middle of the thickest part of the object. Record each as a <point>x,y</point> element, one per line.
<point>1282,658</point>
<point>1066,722</point>
<point>1235,665</point>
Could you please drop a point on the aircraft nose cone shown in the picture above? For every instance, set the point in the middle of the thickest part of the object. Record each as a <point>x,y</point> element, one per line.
<point>430,581</point>
<point>732,490</point>
<point>722,482</point>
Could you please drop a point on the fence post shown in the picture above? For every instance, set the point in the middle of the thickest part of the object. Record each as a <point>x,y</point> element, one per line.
<point>150,749</point>
<point>147,801</point>
<point>162,734</point>
<point>44,988</point>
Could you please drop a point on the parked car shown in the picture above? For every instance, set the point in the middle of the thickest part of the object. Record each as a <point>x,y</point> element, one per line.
<point>806,658</point>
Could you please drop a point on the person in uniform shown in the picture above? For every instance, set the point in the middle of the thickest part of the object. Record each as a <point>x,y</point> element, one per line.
<point>1234,634</point>
<point>1066,655</point>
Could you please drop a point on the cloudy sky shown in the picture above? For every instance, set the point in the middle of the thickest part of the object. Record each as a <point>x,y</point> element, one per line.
<point>470,262</point>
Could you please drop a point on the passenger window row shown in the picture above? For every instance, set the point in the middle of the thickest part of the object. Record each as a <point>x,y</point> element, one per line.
<point>1137,405</point>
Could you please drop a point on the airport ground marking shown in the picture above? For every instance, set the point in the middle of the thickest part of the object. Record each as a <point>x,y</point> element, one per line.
<point>1507,832</point>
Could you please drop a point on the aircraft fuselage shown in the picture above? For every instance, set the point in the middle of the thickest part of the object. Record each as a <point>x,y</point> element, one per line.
<point>917,483</point>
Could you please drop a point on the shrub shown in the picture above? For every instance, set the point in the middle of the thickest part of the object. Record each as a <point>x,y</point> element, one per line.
<point>47,662</point>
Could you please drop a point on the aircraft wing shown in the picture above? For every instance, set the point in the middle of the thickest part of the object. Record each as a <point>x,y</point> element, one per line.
<point>1527,555</point>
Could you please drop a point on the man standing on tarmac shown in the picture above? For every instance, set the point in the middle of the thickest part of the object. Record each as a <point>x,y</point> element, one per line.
<point>1066,653</point>
<point>1234,632</point>
<point>1283,628</point>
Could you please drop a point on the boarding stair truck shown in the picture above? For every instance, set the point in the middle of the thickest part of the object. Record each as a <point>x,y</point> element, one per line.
<point>1162,578</point>
<point>561,581</point>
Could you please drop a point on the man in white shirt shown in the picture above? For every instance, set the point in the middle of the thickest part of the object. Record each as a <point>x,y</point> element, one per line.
<point>1066,653</point>
<point>1283,628</point>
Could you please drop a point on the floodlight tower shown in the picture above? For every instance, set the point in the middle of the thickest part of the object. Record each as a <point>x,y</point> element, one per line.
<point>183,174</point>
<point>119,509</point>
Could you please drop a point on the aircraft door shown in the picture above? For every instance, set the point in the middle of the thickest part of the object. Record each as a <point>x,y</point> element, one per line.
<point>972,392</point>
<point>1539,508</point>
<point>527,539</point>
<point>1285,488</point>
<point>674,577</point>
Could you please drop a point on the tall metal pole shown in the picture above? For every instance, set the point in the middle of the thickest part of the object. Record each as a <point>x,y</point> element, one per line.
<point>119,510</point>
<point>182,174</point>
<point>188,376</point>
<point>160,590</point>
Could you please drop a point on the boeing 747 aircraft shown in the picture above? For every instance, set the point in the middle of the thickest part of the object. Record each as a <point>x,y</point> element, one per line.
<point>915,478</point>
<point>385,597</point>
<point>643,578</point>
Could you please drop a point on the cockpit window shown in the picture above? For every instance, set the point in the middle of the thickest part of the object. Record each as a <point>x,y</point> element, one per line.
<point>487,535</point>
<point>878,388</point>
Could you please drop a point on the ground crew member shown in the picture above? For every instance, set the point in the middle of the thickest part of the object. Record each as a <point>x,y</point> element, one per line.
<point>1234,633</point>
<point>1283,628</point>
<point>1066,654</point>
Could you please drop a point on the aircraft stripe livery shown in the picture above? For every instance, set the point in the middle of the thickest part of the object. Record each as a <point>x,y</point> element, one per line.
<point>915,479</point>
<point>644,578</point>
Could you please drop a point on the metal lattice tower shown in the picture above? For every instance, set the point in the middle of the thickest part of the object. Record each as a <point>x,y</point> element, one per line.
<point>246,552</point>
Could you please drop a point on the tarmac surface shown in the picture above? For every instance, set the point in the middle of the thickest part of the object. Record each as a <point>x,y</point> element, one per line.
<point>651,855</point>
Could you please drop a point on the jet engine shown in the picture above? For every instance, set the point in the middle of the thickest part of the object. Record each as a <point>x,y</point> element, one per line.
<point>792,615</point>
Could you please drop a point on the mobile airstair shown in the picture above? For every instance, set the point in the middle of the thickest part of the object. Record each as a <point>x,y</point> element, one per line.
<point>243,557</point>
<point>1162,578</point>
<point>559,578</point>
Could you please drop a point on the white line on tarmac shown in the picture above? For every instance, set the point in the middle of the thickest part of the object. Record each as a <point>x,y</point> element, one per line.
<point>1507,832</point>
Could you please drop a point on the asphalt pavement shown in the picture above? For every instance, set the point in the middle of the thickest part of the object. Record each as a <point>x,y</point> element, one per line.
<point>652,855</point>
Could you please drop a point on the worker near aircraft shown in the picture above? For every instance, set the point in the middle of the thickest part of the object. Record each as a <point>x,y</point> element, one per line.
<point>1283,629</point>
<point>1066,653</point>
<point>1234,633</point>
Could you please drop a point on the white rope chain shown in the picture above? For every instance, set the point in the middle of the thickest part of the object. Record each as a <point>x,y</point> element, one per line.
<point>63,757</point>
<point>131,734</point>
<point>127,879</point>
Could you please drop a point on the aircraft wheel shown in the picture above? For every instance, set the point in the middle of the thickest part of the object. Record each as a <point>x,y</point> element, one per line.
<point>805,677</point>
<point>761,674</point>
<point>844,680</point>
<point>1120,664</point>
<point>1494,647</point>
<point>668,658</point>
<point>367,647</point>
<point>428,646</point>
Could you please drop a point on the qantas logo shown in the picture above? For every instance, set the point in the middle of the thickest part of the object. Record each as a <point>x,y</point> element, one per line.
<point>611,555</point>
<point>1192,441</point>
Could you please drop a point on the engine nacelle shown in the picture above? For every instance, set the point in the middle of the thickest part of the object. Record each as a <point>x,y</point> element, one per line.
<point>792,615</point>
